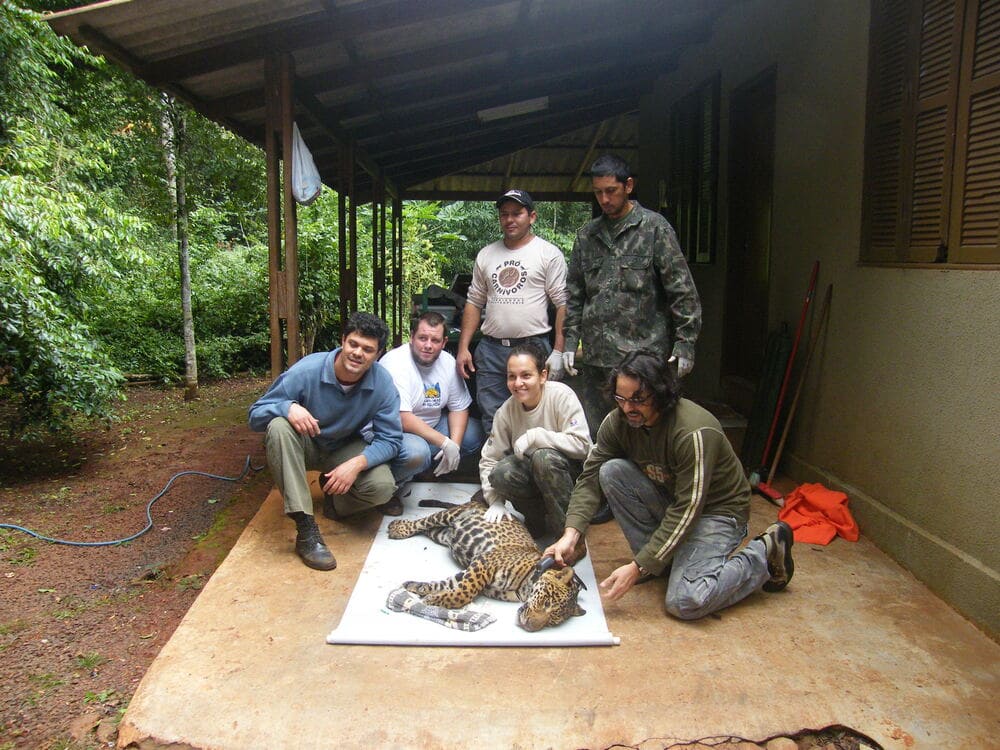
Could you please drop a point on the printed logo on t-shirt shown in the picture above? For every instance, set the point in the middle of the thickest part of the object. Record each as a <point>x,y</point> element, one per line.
<point>508,279</point>
<point>432,394</point>
<point>657,473</point>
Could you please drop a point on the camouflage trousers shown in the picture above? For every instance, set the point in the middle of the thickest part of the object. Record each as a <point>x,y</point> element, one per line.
<point>590,384</point>
<point>539,486</point>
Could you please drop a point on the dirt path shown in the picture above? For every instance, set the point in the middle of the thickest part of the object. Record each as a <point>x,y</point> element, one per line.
<point>79,626</point>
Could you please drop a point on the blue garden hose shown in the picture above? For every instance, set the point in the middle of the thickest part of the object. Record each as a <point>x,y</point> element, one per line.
<point>247,467</point>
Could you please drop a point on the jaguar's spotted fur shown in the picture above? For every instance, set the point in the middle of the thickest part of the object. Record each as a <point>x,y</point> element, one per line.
<point>499,560</point>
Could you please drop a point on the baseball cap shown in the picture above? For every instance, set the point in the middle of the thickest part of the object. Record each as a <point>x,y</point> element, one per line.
<point>520,196</point>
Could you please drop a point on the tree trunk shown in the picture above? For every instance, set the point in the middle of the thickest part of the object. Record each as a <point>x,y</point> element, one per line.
<point>173,126</point>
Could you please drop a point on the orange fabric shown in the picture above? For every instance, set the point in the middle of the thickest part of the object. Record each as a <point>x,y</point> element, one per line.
<point>817,515</point>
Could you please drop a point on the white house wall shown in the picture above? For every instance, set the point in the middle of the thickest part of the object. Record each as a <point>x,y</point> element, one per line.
<point>902,406</point>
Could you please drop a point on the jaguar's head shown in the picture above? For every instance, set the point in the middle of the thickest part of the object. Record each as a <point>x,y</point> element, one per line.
<point>553,598</point>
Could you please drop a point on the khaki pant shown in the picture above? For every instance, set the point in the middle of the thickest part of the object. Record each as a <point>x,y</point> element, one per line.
<point>290,455</point>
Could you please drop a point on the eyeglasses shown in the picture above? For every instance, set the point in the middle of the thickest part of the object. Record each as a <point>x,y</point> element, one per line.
<point>637,400</point>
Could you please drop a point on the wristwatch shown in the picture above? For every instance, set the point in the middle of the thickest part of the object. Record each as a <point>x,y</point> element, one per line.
<point>642,570</point>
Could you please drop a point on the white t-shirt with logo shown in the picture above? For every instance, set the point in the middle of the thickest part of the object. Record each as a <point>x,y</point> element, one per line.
<point>516,286</point>
<point>426,391</point>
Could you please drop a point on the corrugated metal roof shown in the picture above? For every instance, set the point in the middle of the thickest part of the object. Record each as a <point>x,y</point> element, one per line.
<point>403,80</point>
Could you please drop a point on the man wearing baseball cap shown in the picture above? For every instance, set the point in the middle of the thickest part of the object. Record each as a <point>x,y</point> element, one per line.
<point>514,281</point>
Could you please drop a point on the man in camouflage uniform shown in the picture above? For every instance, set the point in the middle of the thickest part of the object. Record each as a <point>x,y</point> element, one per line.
<point>629,288</point>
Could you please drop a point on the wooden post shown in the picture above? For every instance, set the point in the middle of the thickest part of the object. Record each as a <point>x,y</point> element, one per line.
<point>276,286</point>
<point>287,78</point>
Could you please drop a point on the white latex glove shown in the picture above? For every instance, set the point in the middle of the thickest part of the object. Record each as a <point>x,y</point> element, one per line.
<point>555,365</point>
<point>523,443</point>
<point>569,359</point>
<point>447,457</point>
<point>497,511</point>
<point>684,366</point>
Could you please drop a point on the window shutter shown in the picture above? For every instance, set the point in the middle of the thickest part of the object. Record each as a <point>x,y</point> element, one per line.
<point>934,132</point>
<point>975,233</point>
<point>886,98</point>
<point>912,102</point>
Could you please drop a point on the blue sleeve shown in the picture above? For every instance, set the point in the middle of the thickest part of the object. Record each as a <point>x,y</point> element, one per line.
<point>274,403</point>
<point>388,437</point>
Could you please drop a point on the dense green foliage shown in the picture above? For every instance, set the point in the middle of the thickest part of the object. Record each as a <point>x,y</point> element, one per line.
<point>89,272</point>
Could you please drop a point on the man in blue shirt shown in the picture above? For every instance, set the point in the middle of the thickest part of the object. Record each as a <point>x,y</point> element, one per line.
<point>313,415</point>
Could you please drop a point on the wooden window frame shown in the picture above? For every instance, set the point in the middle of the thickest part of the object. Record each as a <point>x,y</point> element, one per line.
<point>932,149</point>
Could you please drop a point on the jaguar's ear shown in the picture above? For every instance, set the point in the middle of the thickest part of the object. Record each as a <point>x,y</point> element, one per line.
<point>579,611</point>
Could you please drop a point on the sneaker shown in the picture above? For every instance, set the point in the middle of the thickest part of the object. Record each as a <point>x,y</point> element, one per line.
<point>778,540</point>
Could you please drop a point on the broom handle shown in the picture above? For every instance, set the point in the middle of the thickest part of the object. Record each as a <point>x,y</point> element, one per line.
<point>791,361</point>
<point>802,379</point>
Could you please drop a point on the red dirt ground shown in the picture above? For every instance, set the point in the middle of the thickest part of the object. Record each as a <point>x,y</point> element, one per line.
<point>79,626</point>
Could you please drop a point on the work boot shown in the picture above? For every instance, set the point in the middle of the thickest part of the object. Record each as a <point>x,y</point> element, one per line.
<point>309,544</point>
<point>778,540</point>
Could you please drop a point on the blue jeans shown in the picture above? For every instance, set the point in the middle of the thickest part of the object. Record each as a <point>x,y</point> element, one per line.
<point>705,574</point>
<point>490,359</point>
<point>416,455</point>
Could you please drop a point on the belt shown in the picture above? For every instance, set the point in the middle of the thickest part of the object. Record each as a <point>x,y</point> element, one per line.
<point>512,342</point>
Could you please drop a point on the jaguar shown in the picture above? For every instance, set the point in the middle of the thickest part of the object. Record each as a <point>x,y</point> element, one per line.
<point>499,560</point>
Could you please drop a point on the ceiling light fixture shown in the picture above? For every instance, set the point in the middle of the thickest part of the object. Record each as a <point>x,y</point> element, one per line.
<point>513,110</point>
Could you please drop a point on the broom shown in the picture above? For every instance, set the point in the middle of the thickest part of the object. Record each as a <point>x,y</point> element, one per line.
<point>755,475</point>
<point>765,488</point>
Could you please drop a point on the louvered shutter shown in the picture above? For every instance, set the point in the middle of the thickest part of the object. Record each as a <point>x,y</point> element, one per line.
<point>912,90</point>
<point>886,87</point>
<point>933,133</point>
<point>975,231</point>
<point>932,158</point>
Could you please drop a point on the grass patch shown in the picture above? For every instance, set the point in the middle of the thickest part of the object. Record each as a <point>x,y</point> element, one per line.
<point>100,696</point>
<point>193,582</point>
<point>23,557</point>
<point>91,660</point>
<point>43,683</point>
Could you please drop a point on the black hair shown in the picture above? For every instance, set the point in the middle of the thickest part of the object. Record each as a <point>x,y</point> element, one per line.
<point>431,318</point>
<point>530,350</point>
<point>655,376</point>
<point>610,165</point>
<point>368,325</point>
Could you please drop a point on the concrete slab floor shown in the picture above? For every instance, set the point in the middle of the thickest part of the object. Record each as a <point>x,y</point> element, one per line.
<point>855,640</point>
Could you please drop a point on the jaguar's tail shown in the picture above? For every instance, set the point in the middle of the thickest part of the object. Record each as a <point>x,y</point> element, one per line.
<point>436,504</point>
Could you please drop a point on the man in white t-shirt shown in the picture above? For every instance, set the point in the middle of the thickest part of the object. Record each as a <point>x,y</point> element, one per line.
<point>513,282</point>
<point>433,404</point>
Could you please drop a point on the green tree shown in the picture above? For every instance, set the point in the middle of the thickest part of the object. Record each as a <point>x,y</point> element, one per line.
<point>61,242</point>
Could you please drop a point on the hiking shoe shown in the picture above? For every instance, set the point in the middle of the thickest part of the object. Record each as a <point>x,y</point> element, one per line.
<point>778,540</point>
<point>309,545</point>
